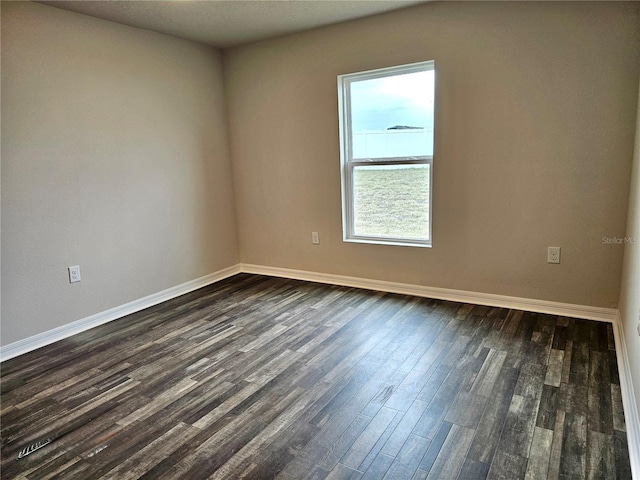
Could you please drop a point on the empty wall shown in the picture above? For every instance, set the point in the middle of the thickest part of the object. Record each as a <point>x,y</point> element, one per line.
<point>535,109</point>
<point>114,157</point>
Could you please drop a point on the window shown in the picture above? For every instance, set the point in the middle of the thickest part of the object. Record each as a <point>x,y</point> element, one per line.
<point>386,154</point>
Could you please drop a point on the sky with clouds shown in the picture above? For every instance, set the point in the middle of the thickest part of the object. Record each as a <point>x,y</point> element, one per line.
<point>380,103</point>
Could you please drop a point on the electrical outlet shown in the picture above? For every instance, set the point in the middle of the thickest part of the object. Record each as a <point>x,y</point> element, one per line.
<point>553,255</point>
<point>315,239</point>
<point>74,274</point>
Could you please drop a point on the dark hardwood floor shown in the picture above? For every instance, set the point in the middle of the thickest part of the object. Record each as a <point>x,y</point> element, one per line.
<point>261,377</point>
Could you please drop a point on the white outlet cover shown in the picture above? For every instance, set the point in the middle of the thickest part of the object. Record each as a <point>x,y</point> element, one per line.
<point>553,255</point>
<point>74,274</point>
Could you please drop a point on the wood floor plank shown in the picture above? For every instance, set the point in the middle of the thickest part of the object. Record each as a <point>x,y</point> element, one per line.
<point>519,425</point>
<point>408,459</point>
<point>137,465</point>
<point>600,410</point>
<point>548,407</point>
<point>566,365</point>
<point>336,403</point>
<point>507,466</point>
<point>405,426</point>
<point>452,454</point>
<point>573,398</point>
<point>600,456</point>
<point>466,410</point>
<point>262,377</point>
<point>341,472</point>
<point>573,464</point>
<point>429,422</point>
<point>491,424</point>
<point>555,456</point>
<point>404,395</point>
<point>239,462</point>
<point>617,409</point>
<point>472,470</point>
<point>160,401</point>
<point>623,465</point>
<point>377,447</point>
<point>486,379</point>
<point>434,448</point>
<point>376,387</point>
<point>538,464</point>
<point>343,443</point>
<point>304,462</point>
<point>554,370</point>
<point>379,467</point>
<point>368,438</point>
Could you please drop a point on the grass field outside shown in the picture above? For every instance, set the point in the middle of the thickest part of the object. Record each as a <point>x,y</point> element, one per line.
<point>392,201</point>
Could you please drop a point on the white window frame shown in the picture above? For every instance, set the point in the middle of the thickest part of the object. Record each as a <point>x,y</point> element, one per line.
<point>348,163</point>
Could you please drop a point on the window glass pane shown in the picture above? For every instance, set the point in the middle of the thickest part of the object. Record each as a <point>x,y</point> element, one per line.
<point>393,116</point>
<point>391,201</point>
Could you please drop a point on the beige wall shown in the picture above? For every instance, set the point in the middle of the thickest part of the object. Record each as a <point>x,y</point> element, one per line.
<point>630,290</point>
<point>535,108</point>
<point>114,157</point>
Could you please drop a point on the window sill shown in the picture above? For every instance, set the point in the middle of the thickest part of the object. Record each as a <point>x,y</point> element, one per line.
<point>380,241</point>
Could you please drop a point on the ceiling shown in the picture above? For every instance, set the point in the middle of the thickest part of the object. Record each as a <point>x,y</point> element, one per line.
<point>228,23</point>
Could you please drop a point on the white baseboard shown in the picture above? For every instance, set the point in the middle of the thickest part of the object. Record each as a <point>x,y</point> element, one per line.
<point>50,336</point>
<point>631,417</point>
<point>555,308</point>
<point>478,298</point>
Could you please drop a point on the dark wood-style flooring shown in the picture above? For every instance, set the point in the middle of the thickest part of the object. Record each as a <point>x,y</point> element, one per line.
<point>258,377</point>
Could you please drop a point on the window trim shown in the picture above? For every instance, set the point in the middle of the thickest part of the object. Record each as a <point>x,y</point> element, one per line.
<point>348,163</point>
